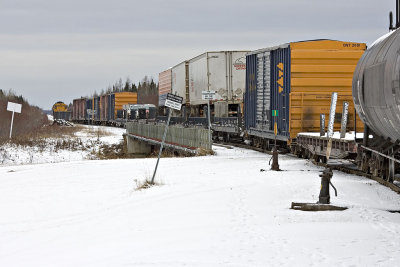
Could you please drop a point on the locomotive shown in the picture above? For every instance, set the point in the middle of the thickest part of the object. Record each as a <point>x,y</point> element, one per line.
<point>60,111</point>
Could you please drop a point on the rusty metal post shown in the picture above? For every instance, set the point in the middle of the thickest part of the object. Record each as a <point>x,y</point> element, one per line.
<point>275,154</point>
<point>275,164</point>
<point>324,196</point>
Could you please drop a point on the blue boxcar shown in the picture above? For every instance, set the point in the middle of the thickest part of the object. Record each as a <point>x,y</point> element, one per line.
<point>267,89</point>
<point>97,108</point>
<point>111,107</point>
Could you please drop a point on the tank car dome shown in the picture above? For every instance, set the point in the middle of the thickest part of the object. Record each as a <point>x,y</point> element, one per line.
<point>376,86</point>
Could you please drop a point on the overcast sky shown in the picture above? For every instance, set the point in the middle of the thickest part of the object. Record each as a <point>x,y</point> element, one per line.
<point>53,50</point>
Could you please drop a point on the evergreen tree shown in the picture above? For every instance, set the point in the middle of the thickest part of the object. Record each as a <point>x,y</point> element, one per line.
<point>127,87</point>
<point>134,88</point>
<point>153,87</point>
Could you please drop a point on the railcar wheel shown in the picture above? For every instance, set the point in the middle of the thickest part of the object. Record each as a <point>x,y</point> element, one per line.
<point>226,137</point>
<point>306,154</point>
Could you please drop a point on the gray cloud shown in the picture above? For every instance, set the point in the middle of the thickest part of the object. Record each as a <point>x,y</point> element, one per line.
<point>58,50</point>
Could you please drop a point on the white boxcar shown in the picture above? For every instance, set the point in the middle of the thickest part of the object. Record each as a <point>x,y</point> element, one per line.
<point>223,72</point>
<point>180,84</point>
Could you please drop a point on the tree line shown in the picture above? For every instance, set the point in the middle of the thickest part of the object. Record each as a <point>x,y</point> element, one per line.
<point>146,89</point>
<point>146,86</point>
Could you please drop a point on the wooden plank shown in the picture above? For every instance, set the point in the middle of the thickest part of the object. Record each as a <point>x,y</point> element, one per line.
<point>315,207</point>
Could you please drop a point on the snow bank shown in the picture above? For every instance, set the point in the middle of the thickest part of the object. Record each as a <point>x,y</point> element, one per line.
<point>210,211</point>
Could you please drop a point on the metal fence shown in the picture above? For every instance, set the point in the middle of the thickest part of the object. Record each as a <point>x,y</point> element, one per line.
<point>192,138</point>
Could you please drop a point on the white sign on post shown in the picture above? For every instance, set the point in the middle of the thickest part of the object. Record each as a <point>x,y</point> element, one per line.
<point>13,107</point>
<point>174,101</point>
<point>208,95</point>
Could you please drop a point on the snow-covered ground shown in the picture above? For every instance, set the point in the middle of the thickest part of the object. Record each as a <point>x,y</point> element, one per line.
<point>209,211</point>
<point>89,140</point>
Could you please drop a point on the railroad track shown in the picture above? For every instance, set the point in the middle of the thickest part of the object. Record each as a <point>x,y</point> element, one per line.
<point>335,166</point>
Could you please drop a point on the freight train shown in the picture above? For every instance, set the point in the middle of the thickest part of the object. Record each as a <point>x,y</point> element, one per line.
<point>102,110</point>
<point>295,80</point>
<point>290,86</point>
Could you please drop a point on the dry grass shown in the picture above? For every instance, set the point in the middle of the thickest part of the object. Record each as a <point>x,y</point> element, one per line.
<point>171,153</point>
<point>95,131</point>
<point>55,132</point>
<point>146,184</point>
<point>55,137</point>
<point>41,134</point>
<point>113,151</point>
<point>141,184</point>
<point>64,137</point>
<point>204,152</point>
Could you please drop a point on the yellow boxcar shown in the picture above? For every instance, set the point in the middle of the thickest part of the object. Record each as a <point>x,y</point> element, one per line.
<point>122,98</point>
<point>319,68</point>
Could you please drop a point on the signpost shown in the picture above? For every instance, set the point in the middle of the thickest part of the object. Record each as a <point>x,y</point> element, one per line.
<point>208,95</point>
<point>13,107</point>
<point>173,102</point>
<point>275,113</point>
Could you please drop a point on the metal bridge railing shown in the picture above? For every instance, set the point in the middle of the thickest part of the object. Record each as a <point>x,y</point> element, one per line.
<point>192,138</point>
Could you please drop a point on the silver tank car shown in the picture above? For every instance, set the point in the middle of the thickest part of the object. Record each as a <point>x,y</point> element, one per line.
<point>376,86</point>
